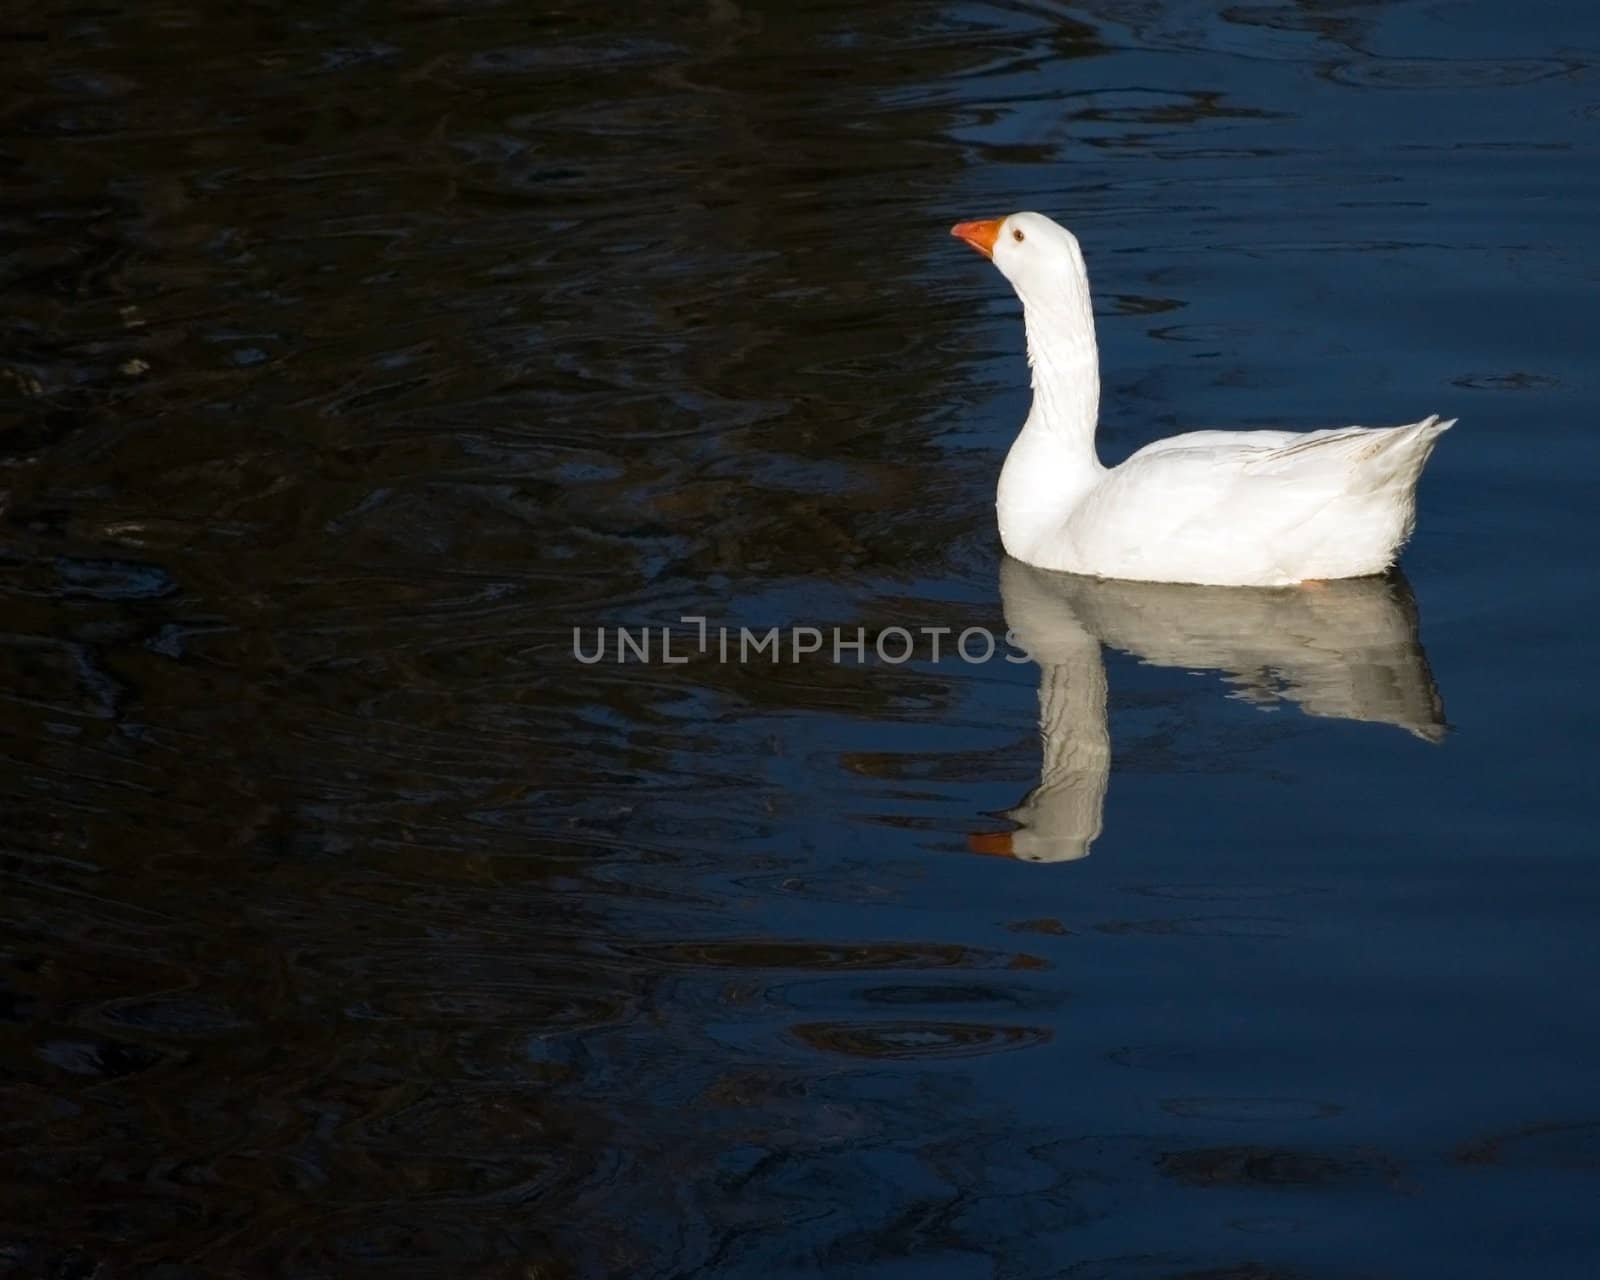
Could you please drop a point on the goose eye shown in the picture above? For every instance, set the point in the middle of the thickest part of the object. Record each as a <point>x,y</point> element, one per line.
<point>1016,234</point>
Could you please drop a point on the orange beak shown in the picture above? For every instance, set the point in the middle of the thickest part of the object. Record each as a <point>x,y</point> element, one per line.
<point>980,235</point>
<point>993,844</point>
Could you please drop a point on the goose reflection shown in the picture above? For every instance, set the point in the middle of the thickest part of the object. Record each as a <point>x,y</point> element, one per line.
<point>1346,649</point>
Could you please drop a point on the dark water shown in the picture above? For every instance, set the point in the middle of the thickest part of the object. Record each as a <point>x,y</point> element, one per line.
<point>351,355</point>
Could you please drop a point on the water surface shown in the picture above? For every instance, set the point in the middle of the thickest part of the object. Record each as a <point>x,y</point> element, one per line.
<point>352,927</point>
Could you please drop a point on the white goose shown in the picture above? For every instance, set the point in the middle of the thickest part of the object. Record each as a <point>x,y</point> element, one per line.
<point>1225,508</point>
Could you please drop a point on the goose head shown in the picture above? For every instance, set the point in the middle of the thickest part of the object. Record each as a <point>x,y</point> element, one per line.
<point>1036,254</point>
<point>1044,265</point>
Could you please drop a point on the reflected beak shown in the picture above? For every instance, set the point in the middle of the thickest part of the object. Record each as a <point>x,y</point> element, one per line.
<point>980,235</point>
<point>994,844</point>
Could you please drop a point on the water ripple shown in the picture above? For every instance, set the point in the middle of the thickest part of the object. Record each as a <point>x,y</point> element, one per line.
<point>916,1039</point>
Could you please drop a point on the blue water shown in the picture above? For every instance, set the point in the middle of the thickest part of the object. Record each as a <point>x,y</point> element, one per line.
<point>352,926</point>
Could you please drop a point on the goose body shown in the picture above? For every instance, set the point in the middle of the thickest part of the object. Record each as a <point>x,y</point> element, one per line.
<point>1223,508</point>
